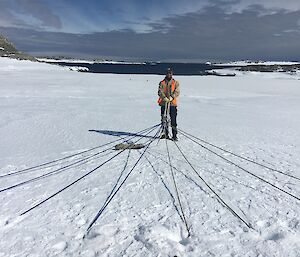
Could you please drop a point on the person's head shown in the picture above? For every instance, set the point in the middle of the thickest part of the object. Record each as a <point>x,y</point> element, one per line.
<point>169,73</point>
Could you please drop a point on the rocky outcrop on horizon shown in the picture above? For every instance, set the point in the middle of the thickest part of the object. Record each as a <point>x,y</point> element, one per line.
<point>7,49</point>
<point>271,68</point>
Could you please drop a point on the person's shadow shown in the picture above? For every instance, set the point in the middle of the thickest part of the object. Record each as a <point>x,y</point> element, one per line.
<point>118,133</point>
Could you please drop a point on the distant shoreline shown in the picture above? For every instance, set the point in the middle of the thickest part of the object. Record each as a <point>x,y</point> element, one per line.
<point>182,69</point>
<point>198,69</point>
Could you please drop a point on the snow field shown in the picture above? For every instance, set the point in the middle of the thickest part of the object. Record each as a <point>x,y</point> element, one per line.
<point>47,112</point>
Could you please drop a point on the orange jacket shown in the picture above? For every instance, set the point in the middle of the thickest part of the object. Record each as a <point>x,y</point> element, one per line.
<point>168,89</point>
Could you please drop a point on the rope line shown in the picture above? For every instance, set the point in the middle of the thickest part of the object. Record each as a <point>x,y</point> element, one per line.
<point>119,187</point>
<point>54,172</point>
<point>243,169</point>
<point>80,178</point>
<point>72,155</point>
<point>165,122</point>
<point>176,190</point>
<point>212,190</point>
<point>241,157</point>
<point>119,178</point>
<point>165,185</point>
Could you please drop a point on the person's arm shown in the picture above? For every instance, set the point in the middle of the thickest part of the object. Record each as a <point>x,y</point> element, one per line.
<point>176,92</point>
<point>161,92</point>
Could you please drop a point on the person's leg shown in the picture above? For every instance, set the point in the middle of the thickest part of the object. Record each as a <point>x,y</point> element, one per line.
<point>173,114</point>
<point>162,111</point>
<point>164,122</point>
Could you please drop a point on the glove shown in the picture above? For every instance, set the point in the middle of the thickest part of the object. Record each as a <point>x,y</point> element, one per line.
<point>171,98</point>
<point>166,99</point>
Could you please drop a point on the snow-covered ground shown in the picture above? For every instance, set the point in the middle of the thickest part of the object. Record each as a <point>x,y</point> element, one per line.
<point>84,61</point>
<point>64,60</point>
<point>78,68</point>
<point>248,62</point>
<point>271,75</point>
<point>47,112</point>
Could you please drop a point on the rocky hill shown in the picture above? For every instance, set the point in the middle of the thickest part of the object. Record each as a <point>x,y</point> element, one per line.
<point>291,68</point>
<point>7,49</point>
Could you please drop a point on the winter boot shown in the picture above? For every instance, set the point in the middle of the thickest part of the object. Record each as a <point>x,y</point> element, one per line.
<point>175,138</point>
<point>174,134</point>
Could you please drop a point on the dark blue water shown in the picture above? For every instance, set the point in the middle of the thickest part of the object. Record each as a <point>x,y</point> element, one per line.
<point>147,68</point>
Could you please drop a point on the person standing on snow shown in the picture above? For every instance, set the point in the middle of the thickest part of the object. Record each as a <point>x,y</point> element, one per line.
<point>168,91</point>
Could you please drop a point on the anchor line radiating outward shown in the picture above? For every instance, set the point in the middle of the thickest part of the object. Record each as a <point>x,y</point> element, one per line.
<point>176,190</point>
<point>239,156</point>
<point>211,189</point>
<point>91,155</point>
<point>243,169</point>
<point>80,178</point>
<point>119,187</point>
<point>72,155</point>
<point>64,168</point>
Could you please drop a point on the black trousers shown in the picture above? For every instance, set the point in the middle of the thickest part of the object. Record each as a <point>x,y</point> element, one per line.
<point>173,115</point>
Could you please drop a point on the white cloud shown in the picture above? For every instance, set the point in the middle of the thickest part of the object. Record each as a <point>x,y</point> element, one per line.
<point>40,11</point>
<point>117,15</point>
<point>27,13</point>
<point>241,5</point>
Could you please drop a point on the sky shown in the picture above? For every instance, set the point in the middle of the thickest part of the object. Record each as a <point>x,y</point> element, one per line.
<point>165,30</point>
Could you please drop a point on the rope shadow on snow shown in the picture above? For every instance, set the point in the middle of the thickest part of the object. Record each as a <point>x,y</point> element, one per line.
<point>166,187</point>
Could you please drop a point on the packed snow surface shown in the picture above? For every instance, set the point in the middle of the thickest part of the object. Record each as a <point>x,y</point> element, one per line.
<point>78,68</point>
<point>64,60</point>
<point>50,112</point>
<point>84,61</point>
<point>248,62</point>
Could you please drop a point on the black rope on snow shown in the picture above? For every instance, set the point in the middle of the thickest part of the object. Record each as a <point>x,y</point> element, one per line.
<point>72,155</point>
<point>54,172</point>
<point>243,169</point>
<point>241,157</point>
<point>119,187</point>
<point>176,190</point>
<point>232,179</point>
<point>165,185</point>
<point>165,122</point>
<point>160,133</point>
<point>80,178</point>
<point>119,178</point>
<point>212,190</point>
<point>182,173</point>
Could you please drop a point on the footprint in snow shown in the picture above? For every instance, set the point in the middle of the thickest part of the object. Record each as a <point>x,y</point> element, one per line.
<point>60,246</point>
<point>106,231</point>
<point>294,224</point>
<point>10,222</point>
<point>275,236</point>
<point>162,237</point>
<point>4,221</point>
<point>81,221</point>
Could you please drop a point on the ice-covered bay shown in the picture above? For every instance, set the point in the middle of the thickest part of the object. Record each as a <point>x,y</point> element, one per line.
<point>47,112</point>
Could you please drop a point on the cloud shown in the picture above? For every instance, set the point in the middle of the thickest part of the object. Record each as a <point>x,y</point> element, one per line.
<point>7,18</point>
<point>28,13</point>
<point>267,5</point>
<point>208,34</point>
<point>105,15</point>
<point>40,11</point>
<point>76,16</point>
